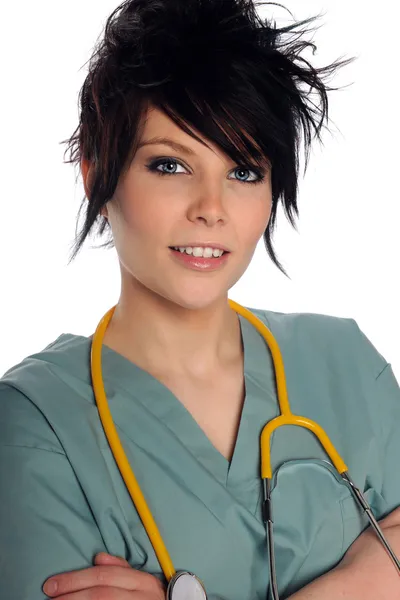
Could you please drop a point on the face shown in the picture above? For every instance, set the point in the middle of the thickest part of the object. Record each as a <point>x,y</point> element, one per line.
<point>203,198</point>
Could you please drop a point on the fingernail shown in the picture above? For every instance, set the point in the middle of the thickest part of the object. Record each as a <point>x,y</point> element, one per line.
<point>50,586</point>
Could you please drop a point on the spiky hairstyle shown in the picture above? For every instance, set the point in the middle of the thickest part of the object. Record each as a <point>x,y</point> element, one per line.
<point>211,65</point>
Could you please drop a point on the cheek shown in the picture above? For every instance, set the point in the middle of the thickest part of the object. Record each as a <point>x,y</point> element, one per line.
<point>137,214</point>
<point>253,223</point>
<point>137,223</point>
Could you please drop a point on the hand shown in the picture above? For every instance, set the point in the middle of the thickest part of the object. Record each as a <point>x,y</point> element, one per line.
<point>112,578</point>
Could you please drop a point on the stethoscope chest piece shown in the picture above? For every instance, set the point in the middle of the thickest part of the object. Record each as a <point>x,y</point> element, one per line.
<point>185,586</point>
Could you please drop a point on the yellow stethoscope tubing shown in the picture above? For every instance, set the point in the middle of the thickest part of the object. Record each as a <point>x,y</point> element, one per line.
<point>122,461</point>
<point>286,418</point>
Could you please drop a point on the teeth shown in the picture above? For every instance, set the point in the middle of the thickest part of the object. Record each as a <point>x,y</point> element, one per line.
<point>205,252</point>
<point>200,252</point>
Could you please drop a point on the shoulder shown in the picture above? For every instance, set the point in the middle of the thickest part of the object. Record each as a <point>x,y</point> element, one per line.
<point>35,390</point>
<point>65,353</point>
<point>325,336</point>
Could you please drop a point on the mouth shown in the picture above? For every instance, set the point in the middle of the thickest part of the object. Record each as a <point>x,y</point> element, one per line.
<point>210,258</point>
<point>190,253</point>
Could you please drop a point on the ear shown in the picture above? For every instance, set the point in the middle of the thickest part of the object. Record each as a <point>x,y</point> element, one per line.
<point>87,175</point>
<point>87,170</point>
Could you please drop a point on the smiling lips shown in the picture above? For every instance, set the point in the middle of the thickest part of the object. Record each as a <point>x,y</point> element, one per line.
<point>200,258</point>
<point>199,251</point>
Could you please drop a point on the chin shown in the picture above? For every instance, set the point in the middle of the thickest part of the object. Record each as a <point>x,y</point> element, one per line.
<point>199,301</point>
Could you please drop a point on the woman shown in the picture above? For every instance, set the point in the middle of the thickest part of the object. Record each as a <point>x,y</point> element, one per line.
<point>188,139</point>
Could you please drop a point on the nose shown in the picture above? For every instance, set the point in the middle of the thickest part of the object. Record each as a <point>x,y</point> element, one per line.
<point>209,208</point>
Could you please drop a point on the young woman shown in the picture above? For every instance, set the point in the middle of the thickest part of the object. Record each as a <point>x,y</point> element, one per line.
<point>191,117</point>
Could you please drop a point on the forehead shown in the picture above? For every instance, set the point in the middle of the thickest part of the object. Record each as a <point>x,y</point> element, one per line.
<point>158,125</point>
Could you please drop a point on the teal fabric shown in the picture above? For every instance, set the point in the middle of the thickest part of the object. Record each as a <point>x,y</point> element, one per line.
<point>62,498</point>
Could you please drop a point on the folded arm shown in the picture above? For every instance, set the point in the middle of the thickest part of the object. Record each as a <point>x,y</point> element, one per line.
<point>366,571</point>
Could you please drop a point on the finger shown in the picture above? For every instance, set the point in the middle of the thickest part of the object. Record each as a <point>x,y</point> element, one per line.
<point>109,559</point>
<point>107,593</point>
<point>104,575</point>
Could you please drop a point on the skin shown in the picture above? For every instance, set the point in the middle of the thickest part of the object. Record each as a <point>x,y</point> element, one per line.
<point>166,309</point>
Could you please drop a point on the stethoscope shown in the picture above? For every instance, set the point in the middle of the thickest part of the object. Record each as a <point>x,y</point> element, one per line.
<point>184,585</point>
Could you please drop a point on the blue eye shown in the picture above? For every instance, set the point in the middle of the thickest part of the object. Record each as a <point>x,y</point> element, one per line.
<point>172,162</point>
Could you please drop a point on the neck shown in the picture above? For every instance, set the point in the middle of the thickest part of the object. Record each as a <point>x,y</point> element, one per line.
<point>159,335</point>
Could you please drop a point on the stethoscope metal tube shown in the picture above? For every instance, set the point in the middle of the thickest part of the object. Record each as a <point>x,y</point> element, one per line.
<point>269,524</point>
<point>184,582</point>
<point>362,502</point>
<point>268,521</point>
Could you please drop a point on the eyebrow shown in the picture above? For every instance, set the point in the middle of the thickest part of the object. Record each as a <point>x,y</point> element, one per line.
<point>168,142</point>
<point>175,146</point>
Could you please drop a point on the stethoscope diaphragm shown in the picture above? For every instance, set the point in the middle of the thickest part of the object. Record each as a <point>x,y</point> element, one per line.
<point>185,586</point>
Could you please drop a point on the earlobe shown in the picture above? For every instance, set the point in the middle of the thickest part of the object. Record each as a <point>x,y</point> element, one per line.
<point>87,175</point>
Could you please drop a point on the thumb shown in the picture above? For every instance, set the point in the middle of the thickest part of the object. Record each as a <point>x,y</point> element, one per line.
<point>108,559</point>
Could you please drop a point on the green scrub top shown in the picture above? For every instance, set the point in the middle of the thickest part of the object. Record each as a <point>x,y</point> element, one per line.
<point>62,498</point>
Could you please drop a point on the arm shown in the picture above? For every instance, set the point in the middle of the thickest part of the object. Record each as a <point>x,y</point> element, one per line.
<point>331,586</point>
<point>365,573</point>
<point>46,525</point>
<point>353,579</point>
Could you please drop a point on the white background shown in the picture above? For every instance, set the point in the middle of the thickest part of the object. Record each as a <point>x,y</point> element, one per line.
<point>344,258</point>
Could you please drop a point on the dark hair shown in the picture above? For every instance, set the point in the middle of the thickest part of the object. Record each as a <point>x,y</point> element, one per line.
<point>213,65</point>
